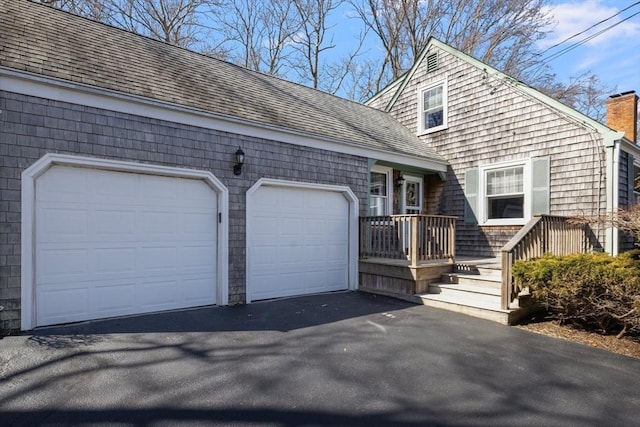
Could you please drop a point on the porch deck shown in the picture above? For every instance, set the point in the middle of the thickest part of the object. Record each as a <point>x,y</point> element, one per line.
<point>413,257</point>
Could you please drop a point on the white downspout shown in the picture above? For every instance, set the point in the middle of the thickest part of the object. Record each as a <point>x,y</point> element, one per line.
<point>616,197</point>
<point>612,147</point>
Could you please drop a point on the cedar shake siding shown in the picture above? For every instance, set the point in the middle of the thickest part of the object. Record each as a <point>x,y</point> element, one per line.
<point>490,121</point>
<point>31,127</point>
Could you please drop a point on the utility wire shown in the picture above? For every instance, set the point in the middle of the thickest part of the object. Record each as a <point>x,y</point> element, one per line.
<point>583,41</point>
<point>591,27</point>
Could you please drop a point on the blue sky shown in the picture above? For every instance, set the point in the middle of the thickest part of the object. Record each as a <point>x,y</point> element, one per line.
<point>614,56</point>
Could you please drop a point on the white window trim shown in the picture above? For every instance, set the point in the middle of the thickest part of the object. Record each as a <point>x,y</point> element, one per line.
<point>482,193</point>
<point>388,171</point>
<point>445,106</point>
<point>403,197</point>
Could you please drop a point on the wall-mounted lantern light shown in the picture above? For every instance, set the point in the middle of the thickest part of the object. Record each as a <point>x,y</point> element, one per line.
<point>400,181</point>
<point>237,168</point>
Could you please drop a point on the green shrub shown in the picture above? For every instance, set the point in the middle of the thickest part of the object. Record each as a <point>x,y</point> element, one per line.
<point>595,290</point>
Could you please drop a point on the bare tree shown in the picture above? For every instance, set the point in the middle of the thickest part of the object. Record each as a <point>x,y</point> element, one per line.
<point>240,31</point>
<point>386,19</point>
<point>585,93</point>
<point>501,33</point>
<point>178,22</point>
<point>312,40</point>
<point>259,33</point>
<point>359,82</point>
<point>343,74</point>
<point>173,21</point>
<point>92,9</point>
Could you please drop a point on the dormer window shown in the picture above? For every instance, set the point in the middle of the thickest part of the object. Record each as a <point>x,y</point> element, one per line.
<point>432,109</point>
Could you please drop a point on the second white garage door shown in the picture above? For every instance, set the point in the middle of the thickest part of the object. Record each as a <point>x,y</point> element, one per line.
<point>114,243</point>
<point>298,242</point>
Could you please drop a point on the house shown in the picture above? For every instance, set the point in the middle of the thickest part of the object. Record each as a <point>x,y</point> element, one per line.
<point>139,176</point>
<point>118,192</point>
<point>520,163</point>
<point>512,151</point>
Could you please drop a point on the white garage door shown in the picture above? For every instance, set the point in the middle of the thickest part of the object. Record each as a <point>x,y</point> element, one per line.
<point>115,243</point>
<point>298,242</point>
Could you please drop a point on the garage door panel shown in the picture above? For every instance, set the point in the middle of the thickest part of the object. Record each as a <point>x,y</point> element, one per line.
<point>157,188</point>
<point>288,199</point>
<point>158,294</point>
<point>114,223</point>
<point>56,222</point>
<point>299,242</point>
<point>58,264</point>
<point>158,259</point>
<point>121,188</point>
<point>263,256</point>
<point>288,226</point>
<point>198,194</point>
<point>105,248</point>
<point>198,258</point>
<point>115,260</point>
<point>158,222</point>
<point>62,184</point>
<point>196,291</point>
<point>114,299</point>
<point>197,224</point>
<point>62,305</point>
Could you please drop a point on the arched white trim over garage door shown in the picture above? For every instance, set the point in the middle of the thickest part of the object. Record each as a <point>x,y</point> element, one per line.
<point>301,238</point>
<point>103,238</point>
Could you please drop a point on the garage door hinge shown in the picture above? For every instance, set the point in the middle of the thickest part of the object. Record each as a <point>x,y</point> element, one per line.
<point>220,217</point>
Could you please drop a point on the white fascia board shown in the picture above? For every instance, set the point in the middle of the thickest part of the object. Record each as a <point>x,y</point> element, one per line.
<point>630,147</point>
<point>60,90</point>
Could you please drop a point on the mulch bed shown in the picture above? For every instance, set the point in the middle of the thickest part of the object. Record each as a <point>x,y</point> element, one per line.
<point>628,345</point>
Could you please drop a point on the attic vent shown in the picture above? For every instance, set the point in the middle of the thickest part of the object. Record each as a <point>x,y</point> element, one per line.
<point>432,62</point>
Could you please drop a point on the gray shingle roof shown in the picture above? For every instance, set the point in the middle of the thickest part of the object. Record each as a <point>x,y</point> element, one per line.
<point>39,39</point>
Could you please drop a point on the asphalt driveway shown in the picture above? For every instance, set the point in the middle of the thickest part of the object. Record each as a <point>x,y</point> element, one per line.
<point>326,360</point>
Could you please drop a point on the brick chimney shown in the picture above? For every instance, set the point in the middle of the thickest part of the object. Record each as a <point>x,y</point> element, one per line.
<point>622,114</point>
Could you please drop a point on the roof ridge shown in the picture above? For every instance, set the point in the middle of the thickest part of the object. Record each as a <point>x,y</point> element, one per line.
<point>194,52</point>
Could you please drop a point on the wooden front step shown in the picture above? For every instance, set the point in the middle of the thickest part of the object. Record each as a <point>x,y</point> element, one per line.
<point>474,291</point>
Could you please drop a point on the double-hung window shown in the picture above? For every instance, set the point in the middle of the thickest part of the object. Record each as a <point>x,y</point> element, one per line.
<point>432,108</point>
<point>504,192</point>
<point>380,191</point>
<point>508,193</point>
